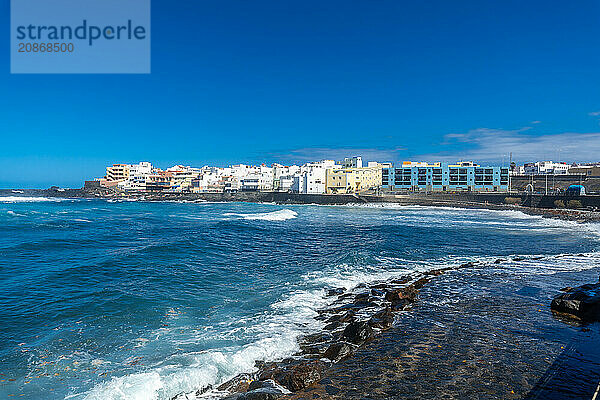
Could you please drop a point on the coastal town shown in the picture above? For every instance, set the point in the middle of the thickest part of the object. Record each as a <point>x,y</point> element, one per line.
<point>352,175</point>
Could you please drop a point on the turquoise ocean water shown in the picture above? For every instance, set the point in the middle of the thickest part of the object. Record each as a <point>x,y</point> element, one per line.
<point>140,300</point>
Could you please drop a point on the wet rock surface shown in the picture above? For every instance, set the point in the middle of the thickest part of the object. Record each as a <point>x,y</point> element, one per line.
<point>492,340</point>
<point>351,321</point>
<point>471,335</point>
<point>581,302</point>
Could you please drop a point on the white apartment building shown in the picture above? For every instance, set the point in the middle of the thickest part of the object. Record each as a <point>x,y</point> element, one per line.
<point>283,176</point>
<point>257,182</point>
<point>312,177</point>
<point>137,177</point>
<point>352,162</point>
<point>251,178</point>
<point>545,167</point>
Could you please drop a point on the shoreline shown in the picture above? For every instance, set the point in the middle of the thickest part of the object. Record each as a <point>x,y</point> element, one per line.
<point>373,333</point>
<point>354,299</point>
<point>492,201</point>
<point>355,318</point>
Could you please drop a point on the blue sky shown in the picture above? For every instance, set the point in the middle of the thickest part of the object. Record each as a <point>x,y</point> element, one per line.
<point>272,81</point>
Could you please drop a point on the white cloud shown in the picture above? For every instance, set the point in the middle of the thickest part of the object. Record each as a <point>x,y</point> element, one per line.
<point>493,145</point>
<point>594,114</point>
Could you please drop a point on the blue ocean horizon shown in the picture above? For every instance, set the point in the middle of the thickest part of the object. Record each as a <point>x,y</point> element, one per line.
<point>107,299</point>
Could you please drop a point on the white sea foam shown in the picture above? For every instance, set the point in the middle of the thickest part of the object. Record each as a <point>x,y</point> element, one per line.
<point>22,199</point>
<point>14,214</point>
<point>280,215</point>
<point>142,386</point>
<point>275,332</point>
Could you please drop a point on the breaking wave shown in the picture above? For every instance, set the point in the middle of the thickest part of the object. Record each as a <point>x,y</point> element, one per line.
<point>280,215</point>
<point>22,199</point>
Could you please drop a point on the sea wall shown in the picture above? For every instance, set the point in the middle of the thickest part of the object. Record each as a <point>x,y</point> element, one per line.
<point>527,200</point>
<point>265,197</point>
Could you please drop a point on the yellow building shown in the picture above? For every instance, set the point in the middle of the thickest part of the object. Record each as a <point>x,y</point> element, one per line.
<point>352,180</point>
<point>117,172</point>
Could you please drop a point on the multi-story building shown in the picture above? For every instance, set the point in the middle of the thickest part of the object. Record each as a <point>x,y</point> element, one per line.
<point>588,170</point>
<point>352,162</point>
<point>545,167</point>
<point>464,176</point>
<point>312,177</point>
<point>117,172</point>
<point>353,180</point>
<point>282,176</point>
<point>256,182</point>
<point>158,181</point>
<point>182,177</point>
<point>138,176</point>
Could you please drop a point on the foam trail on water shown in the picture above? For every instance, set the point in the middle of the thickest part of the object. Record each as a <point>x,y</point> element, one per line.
<point>14,214</point>
<point>280,215</point>
<point>20,199</point>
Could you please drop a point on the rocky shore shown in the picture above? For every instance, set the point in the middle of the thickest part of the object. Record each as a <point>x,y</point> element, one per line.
<point>457,200</point>
<point>352,320</point>
<point>581,303</point>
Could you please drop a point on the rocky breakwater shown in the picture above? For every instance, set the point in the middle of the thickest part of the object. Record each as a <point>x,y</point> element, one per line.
<point>581,302</point>
<point>353,319</point>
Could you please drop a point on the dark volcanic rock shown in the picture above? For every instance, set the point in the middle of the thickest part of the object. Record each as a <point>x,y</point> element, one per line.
<point>197,393</point>
<point>260,390</point>
<point>333,326</point>
<point>401,281</point>
<point>378,292</point>
<point>438,272</point>
<point>400,305</point>
<point>240,383</point>
<point>364,303</point>
<point>348,316</point>
<point>312,349</point>
<point>337,351</point>
<point>300,375</point>
<point>408,293</point>
<point>319,337</point>
<point>362,296</point>
<point>382,319</point>
<point>582,302</point>
<point>358,332</point>
<point>335,292</point>
<point>420,283</point>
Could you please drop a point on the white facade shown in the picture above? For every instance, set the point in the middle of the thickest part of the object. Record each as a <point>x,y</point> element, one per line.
<point>312,177</point>
<point>545,167</point>
<point>352,162</point>
<point>257,182</point>
<point>283,176</point>
<point>138,176</point>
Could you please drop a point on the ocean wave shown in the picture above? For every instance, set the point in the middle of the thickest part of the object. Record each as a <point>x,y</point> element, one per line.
<point>275,332</point>
<point>275,336</point>
<point>280,215</point>
<point>14,214</point>
<point>22,199</point>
